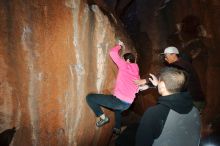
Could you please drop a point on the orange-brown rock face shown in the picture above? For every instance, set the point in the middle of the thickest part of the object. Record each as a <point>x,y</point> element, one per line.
<point>52,54</point>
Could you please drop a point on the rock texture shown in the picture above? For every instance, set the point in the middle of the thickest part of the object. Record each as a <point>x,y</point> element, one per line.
<point>52,54</point>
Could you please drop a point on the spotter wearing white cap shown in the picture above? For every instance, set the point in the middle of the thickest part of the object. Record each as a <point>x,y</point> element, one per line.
<point>171,50</point>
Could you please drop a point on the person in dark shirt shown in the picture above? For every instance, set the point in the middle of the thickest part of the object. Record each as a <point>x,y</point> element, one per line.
<point>171,56</point>
<point>174,120</point>
<point>193,86</point>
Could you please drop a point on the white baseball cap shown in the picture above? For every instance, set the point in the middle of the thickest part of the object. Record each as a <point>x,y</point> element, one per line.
<point>171,50</point>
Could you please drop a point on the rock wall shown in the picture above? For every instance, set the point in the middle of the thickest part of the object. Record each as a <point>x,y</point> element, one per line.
<point>52,54</point>
<point>213,95</point>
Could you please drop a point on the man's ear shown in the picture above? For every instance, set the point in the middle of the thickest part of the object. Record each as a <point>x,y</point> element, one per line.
<point>163,86</point>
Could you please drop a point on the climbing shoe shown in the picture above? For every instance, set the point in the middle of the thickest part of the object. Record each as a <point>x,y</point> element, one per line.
<point>116,131</point>
<point>102,122</point>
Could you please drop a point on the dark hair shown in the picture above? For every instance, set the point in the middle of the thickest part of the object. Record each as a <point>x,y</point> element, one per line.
<point>129,56</point>
<point>174,79</point>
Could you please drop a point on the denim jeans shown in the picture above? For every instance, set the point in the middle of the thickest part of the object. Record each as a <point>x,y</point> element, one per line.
<point>95,101</point>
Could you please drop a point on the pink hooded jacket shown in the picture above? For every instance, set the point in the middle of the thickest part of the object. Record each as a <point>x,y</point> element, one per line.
<point>125,88</point>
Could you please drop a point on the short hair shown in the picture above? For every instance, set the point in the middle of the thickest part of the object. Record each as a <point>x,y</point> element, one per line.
<point>175,79</point>
<point>129,56</point>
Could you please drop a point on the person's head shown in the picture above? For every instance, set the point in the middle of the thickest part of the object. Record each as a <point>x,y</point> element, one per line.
<point>171,80</point>
<point>129,57</point>
<point>171,54</point>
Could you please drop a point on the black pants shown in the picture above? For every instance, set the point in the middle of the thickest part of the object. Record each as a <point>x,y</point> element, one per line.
<point>95,101</point>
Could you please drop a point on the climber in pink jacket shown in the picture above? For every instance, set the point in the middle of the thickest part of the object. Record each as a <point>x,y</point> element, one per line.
<point>124,91</point>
